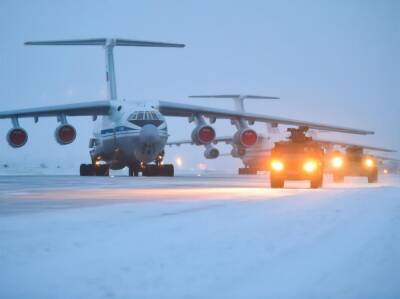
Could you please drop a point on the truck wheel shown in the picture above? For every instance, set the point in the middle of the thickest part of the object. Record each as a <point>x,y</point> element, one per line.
<point>86,170</point>
<point>373,177</point>
<point>338,178</point>
<point>277,182</point>
<point>317,182</point>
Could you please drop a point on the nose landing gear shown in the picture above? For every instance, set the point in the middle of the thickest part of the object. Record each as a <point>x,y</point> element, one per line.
<point>156,169</point>
<point>152,170</point>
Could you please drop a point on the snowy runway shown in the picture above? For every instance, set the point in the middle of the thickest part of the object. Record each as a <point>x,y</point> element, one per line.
<point>213,236</point>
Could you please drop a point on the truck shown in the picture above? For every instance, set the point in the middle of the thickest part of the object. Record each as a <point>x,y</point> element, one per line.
<point>353,162</point>
<point>298,158</point>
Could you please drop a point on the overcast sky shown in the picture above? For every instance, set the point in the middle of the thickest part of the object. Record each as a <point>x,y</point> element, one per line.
<point>330,61</point>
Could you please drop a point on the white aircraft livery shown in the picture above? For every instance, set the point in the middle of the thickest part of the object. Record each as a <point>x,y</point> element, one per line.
<point>133,134</point>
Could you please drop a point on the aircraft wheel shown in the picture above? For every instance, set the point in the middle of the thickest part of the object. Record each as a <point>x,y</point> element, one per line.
<point>253,170</point>
<point>277,182</point>
<point>162,170</point>
<point>247,170</point>
<point>102,170</point>
<point>242,171</point>
<point>167,170</point>
<point>86,170</point>
<point>150,170</point>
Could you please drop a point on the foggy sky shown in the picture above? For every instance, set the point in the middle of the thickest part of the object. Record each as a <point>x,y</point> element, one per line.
<point>330,61</point>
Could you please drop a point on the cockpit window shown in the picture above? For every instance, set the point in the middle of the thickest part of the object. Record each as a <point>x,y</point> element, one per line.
<point>141,118</point>
<point>154,116</point>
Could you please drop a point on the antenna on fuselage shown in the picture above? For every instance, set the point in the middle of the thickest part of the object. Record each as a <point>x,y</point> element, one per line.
<point>108,44</point>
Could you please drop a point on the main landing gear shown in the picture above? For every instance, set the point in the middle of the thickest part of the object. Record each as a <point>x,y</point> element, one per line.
<point>94,170</point>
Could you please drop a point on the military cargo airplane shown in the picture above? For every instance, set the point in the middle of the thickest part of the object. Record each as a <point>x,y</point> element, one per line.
<point>132,134</point>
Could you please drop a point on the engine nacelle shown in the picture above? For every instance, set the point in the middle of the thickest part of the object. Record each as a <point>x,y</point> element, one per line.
<point>245,137</point>
<point>203,134</point>
<point>17,137</point>
<point>238,152</point>
<point>211,153</point>
<point>65,134</point>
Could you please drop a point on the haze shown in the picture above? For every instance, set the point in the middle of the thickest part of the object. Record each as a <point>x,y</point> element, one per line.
<point>330,61</point>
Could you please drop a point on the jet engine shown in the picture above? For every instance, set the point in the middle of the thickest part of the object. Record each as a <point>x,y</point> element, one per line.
<point>17,137</point>
<point>245,137</point>
<point>211,152</point>
<point>203,134</point>
<point>65,134</point>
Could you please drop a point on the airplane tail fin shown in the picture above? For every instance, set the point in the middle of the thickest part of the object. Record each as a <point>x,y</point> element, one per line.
<point>237,98</point>
<point>108,44</point>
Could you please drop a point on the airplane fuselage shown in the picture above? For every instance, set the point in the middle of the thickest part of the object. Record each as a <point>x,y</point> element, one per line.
<point>132,133</point>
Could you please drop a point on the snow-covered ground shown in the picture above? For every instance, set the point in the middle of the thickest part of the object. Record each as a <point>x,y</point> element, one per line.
<point>213,236</point>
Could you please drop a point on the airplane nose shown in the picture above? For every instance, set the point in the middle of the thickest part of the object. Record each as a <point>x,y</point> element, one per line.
<point>149,134</point>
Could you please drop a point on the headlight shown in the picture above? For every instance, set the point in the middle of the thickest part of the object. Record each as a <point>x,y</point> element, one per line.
<point>369,162</point>
<point>310,166</point>
<point>277,165</point>
<point>337,162</point>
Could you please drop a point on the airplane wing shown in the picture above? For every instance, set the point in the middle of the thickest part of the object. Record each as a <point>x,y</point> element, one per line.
<point>184,110</point>
<point>347,144</point>
<point>78,109</point>
<point>386,158</point>
<point>225,139</point>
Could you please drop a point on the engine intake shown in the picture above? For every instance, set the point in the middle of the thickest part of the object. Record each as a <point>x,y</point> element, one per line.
<point>65,134</point>
<point>17,137</point>
<point>211,152</point>
<point>203,134</point>
<point>246,137</point>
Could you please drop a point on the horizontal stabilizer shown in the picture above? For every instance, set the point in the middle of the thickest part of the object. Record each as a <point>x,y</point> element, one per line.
<point>103,42</point>
<point>238,99</point>
<point>347,144</point>
<point>233,96</point>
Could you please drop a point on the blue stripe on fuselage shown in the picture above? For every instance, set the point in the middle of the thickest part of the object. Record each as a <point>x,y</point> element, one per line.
<point>117,129</point>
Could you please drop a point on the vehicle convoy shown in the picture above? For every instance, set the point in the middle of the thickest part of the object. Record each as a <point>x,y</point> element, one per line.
<point>353,160</point>
<point>299,158</point>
